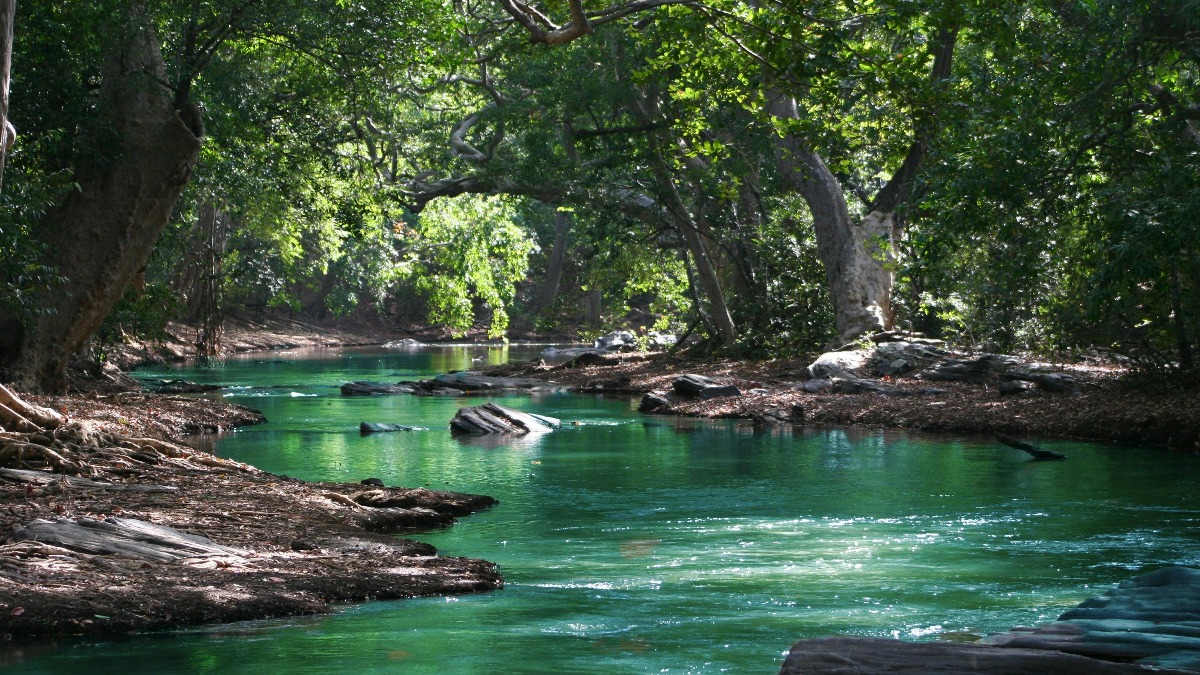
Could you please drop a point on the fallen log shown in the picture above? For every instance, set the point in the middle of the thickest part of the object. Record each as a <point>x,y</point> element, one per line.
<point>122,536</point>
<point>1037,453</point>
<point>43,478</point>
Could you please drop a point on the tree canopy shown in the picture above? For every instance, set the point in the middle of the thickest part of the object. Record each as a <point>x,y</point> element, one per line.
<point>776,177</point>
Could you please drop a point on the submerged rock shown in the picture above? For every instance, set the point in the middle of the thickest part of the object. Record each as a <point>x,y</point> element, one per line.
<point>462,383</point>
<point>381,427</point>
<point>860,655</point>
<point>406,343</point>
<point>368,388</point>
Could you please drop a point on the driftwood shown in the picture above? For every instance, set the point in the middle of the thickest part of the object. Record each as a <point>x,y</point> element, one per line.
<point>703,388</point>
<point>1035,451</point>
<point>491,418</point>
<point>35,415</point>
<point>42,478</point>
<point>127,537</point>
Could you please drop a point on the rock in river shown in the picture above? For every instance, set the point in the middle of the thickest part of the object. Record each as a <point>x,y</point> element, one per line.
<point>381,427</point>
<point>491,418</point>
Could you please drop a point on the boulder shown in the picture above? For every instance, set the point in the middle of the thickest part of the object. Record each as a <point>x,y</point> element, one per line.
<point>842,364</point>
<point>1152,619</point>
<point>491,418</point>
<point>658,341</point>
<point>703,388</point>
<point>655,401</point>
<point>898,358</point>
<point>616,341</point>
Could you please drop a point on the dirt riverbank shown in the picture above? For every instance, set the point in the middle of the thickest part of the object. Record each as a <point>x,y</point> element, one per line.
<point>276,546</point>
<point>1107,405</point>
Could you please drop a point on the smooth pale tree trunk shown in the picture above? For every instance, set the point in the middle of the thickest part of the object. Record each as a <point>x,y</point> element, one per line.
<point>100,237</point>
<point>854,254</point>
<point>8,135</point>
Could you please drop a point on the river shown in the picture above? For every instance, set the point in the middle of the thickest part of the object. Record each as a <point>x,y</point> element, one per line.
<point>635,544</point>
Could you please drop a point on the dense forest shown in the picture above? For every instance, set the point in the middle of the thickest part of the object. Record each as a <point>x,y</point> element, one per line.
<point>771,176</point>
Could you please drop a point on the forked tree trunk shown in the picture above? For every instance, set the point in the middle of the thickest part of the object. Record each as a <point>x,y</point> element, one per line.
<point>100,237</point>
<point>855,255</point>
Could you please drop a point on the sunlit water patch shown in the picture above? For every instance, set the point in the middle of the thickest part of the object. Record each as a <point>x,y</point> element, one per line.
<point>637,545</point>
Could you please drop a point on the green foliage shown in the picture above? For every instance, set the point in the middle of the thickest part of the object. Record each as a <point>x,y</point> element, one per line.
<point>465,252</point>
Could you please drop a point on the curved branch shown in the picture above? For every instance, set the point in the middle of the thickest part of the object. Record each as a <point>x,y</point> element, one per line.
<point>459,144</point>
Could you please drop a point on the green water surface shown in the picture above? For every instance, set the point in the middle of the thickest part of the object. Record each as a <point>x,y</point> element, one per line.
<point>635,544</point>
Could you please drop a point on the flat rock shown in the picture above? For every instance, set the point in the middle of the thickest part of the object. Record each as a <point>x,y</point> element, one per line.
<point>703,388</point>
<point>1152,619</point>
<point>473,382</point>
<point>979,369</point>
<point>840,364</point>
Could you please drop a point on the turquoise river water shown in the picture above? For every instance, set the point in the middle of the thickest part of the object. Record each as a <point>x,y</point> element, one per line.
<point>634,544</point>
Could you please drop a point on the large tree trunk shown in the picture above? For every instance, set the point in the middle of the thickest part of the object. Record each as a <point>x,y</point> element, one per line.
<point>100,237</point>
<point>8,135</point>
<point>854,254</point>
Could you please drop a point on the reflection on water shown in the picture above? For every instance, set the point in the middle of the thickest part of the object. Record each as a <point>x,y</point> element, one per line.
<point>635,544</point>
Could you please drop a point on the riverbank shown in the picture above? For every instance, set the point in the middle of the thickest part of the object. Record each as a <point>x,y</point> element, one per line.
<point>1106,405</point>
<point>303,546</point>
<point>96,511</point>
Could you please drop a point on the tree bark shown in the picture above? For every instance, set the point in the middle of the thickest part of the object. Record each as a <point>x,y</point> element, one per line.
<point>100,237</point>
<point>8,135</point>
<point>854,254</point>
<point>858,257</point>
<point>555,264</point>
